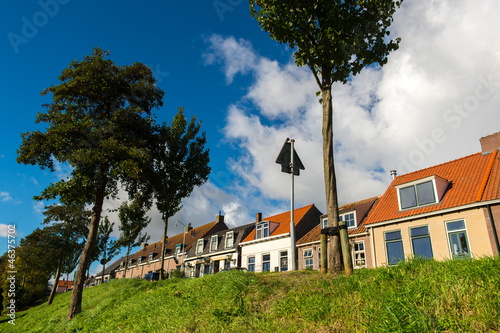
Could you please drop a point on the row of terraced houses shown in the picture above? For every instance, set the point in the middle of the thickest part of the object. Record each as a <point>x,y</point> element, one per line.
<point>447,211</point>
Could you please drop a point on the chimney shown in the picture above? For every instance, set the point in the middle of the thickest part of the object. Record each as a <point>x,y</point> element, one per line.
<point>189,227</point>
<point>490,143</point>
<point>258,218</point>
<point>144,245</point>
<point>394,173</point>
<point>220,218</point>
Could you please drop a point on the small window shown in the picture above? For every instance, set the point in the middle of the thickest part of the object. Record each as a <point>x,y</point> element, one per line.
<point>458,240</point>
<point>251,264</point>
<point>284,261</point>
<point>229,239</point>
<point>150,256</point>
<point>394,247</point>
<point>359,255</point>
<point>139,261</point>
<point>199,246</point>
<point>421,242</point>
<point>324,224</point>
<point>308,259</point>
<point>266,262</point>
<point>349,219</point>
<point>213,243</point>
<point>262,230</point>
<point>417,195</point>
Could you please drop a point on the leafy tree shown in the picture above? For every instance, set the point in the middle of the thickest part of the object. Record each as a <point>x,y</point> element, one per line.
<point>100,122</point>
<point>133,220</point>
<point>106,247</point>
<point>335,39</point>
<point>180,164</point>
<point>68,231</point>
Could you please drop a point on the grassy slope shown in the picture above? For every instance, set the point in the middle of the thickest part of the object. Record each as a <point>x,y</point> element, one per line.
<point>417,296</point>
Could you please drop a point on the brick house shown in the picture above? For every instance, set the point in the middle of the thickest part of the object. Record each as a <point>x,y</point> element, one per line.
<point>309,249</point>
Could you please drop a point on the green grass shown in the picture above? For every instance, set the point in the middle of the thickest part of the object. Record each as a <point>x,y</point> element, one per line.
<point>415,296</point>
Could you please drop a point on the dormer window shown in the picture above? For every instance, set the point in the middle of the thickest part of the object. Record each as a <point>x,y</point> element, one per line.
<point>150,256</point>
<point>139,260</point>
<point>178,249</point>
<point>349,218</point>
<point>262,230</point>
<point>213,243</point>
<point>199,246</point>
<point>422,192</point>
<point>324,223</point>
<point>229,239</point>
<point>130,262</point>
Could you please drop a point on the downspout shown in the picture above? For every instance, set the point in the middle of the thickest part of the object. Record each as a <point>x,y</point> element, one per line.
<point>495,235</point>
<point>372,241</point>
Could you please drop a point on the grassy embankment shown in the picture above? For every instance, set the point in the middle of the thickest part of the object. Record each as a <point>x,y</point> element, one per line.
<point>415,296</point>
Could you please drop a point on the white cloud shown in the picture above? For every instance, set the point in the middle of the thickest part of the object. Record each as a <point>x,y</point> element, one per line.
<point>4,230</point>
<point>38,207</point>
<point>438,94</point>
<point>5,197</point>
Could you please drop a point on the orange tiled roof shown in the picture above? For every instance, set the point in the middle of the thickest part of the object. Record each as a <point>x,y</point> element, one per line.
<point>314,234</point>
<point>282,228</point>
<point>466,176</point>
<point>64,283</point>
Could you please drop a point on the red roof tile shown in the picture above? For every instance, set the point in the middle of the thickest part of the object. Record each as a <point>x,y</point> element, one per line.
<point>283,228</point>
<point>465,175</point>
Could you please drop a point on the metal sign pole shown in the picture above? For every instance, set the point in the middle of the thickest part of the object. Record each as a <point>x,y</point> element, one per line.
<point>292,224</point>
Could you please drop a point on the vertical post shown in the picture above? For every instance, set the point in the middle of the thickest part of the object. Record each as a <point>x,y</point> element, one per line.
<point>324,254</point>
<point>292,224</point>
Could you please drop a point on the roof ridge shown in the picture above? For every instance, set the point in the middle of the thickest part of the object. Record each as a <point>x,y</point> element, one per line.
<point>288,211</point>
<point>440,164</point>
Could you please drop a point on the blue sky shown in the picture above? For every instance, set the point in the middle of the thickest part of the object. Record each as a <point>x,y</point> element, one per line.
<point>437,95</point>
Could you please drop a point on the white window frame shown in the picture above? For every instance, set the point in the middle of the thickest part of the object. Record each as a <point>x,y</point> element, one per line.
<point>308,256</point>
<point>417,237</point>
<point>151,255</point>
<point>414,183</point>
<point>343,216</point>
<point>324,223</point>
<point>354,252</point>
<point>248,263</point>
<point>266,254</point>
<point>393,241</point>
<point>212,239</point>
<point>261,228</point>
<point>229,233</point>
<point>198,244</point>
<point>466,234</point>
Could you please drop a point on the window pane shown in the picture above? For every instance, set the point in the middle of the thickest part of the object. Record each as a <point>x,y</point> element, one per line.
<point>393,235</point>
<point>422,247</point>
<point>408,198</point>
<point>395,252</point>
<point>420,231</point>
<point>455,225</point>
<point>251,260</point>
<point>425,193</point>
<point>266,257</point>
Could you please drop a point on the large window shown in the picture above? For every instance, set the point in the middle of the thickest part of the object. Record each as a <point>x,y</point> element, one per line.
<point>262,230</point>
<point>394,247</point>
<point>421,242</point>
<point>266,262</point>
<point>229,239</point>
<point>349,219</point>
<point>457,237</point>
<point>308,259</point>
<point>417,195</point>
<point>213,243</point>
<point>359,255</point>
<point>251,264</point>
<point>199,246</point>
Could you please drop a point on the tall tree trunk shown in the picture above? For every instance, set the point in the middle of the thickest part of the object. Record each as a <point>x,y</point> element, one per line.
<point>75,307</point>
<point>162,277</point>
<point>126,262</point>
<point>56,281</point>
<point>339,244</point>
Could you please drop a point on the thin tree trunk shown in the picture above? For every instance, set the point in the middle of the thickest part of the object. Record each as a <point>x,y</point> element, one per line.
<point>334,262</point>
<point>126,262</point>
<point>162,277</point>
<point>56,281</point>
<point>75,307</point>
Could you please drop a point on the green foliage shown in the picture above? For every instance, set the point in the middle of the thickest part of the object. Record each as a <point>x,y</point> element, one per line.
<point>335,39</point>
<point>415,296</point>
